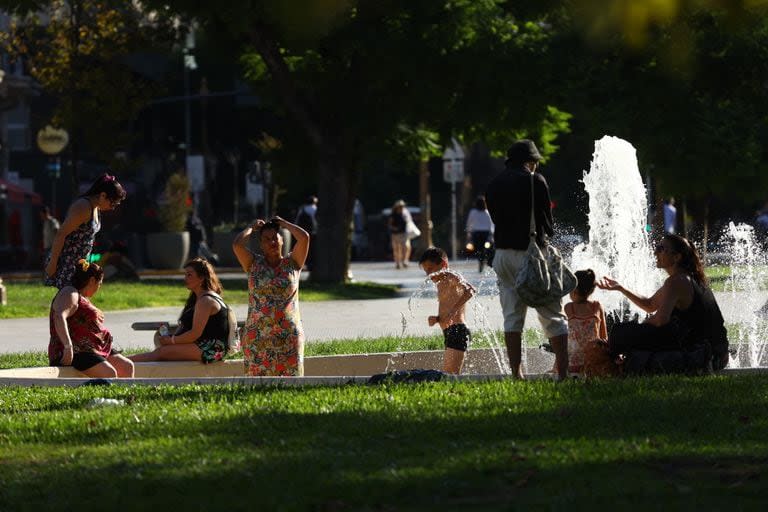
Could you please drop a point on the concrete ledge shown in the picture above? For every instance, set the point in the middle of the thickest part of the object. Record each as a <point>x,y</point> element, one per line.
<point>339,369</point>
<point>279,382</point>
<point>274,382</point>
<point>477,362</point>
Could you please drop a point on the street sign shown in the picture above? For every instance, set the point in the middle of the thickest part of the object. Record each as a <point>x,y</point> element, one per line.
<point>54,168</point>
<point>453,173</point>
<point>453,163</point>
<point>196,172</point>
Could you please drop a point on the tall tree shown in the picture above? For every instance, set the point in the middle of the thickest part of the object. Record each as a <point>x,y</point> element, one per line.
<point>350,75</point>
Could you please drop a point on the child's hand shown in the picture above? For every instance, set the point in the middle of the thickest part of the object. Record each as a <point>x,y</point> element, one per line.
<point>433,319</point>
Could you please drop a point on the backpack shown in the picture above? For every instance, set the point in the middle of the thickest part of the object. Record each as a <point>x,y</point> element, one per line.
<point>233,332</point>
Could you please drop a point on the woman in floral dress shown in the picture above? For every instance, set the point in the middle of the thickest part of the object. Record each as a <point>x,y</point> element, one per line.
<point>74,240</point>
<point>273,338</point>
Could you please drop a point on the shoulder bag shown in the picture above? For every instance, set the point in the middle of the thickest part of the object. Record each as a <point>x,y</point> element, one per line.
<point>543,278</point>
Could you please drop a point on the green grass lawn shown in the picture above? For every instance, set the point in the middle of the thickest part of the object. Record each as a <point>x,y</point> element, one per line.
<point>666,443</point>
<point>33,299</point>
<point>720,277</point>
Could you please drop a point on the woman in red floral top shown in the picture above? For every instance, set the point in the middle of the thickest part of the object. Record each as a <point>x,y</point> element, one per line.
<point>273,337</point>
<point>78,336</point>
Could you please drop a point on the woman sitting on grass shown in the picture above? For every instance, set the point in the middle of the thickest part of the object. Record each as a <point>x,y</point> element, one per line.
<point>684,313</point>
<point>203,325</point>
<point>78,336</point>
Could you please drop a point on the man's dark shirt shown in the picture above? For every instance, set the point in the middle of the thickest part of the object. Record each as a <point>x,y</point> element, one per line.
<point>509,203</point>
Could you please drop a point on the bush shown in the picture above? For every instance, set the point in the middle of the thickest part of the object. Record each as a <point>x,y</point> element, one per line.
<point>174,206</point>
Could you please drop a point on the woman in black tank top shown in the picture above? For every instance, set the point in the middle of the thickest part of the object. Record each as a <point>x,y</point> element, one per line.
<point>683,312</point>
<point>203,325</point>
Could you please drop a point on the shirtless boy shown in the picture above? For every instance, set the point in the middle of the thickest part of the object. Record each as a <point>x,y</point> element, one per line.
<point>453,292</point>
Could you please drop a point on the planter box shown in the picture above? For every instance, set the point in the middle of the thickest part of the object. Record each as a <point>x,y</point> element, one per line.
<point>222,246</point>
<point>167,250</point>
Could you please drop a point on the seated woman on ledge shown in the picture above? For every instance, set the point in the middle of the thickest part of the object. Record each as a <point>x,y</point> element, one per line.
<point>78,336</point>
<point>203,325</point>
<point>684,313</point>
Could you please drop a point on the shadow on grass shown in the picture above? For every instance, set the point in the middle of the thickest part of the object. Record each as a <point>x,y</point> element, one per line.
<point>630,444</point>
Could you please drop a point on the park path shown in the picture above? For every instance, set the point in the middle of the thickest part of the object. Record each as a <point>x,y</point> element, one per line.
<point>346,319</point>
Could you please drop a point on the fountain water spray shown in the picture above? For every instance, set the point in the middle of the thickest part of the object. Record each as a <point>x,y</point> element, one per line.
<point>618,244</point>
<point>748,276</point>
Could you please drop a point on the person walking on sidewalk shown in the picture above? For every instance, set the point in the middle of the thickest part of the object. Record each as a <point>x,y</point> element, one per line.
<point>50,228</point>
<point>509,203</point>
<point>397,224</point>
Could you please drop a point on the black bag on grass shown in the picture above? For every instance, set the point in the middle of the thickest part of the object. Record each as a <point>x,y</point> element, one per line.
<point>418,375</point>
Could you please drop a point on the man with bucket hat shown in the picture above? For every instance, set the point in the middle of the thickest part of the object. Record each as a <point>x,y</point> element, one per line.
<point>509,203</point>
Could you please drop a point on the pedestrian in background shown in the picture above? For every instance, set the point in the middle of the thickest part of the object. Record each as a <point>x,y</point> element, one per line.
<point>480,232</point>
<point>50,228</point>
<point>401,243</point>
<point>306,219</point>
<point>670,216</point>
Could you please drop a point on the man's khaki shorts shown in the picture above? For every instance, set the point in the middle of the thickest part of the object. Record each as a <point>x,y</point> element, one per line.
<point>507,264</point>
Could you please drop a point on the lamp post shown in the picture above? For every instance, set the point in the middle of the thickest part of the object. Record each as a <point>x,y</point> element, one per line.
<point>190,64</point>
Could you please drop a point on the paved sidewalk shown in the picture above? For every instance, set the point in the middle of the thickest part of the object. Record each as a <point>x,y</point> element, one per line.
<point>344,319</point>
<point>348,318</point>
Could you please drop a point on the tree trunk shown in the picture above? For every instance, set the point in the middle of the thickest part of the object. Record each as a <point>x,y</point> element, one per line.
<point>336,176</point>
<point>331,251</point>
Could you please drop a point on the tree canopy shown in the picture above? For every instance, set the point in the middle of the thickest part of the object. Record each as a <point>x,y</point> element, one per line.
<point>683,80</point>
<point>79,50</point>
<point>356,75</point>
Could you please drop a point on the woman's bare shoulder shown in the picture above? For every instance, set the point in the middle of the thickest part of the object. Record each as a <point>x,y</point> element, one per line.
<point>80,210</point>
<point>66,298</point>
<point>207,302</point>
<point>677,284</point>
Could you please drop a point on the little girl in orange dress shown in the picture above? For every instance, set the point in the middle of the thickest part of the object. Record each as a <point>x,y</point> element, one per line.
<point>586,320</point>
